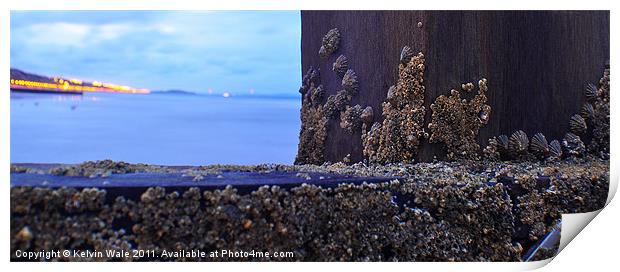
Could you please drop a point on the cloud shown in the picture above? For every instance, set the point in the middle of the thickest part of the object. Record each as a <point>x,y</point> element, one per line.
<point>236,51</point>
<point>57,34</point>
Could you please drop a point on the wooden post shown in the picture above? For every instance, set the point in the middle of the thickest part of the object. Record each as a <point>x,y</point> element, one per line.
<point>536,62</point>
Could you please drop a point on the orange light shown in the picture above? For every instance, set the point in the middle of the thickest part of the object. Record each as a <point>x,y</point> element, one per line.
<point>66,86</point>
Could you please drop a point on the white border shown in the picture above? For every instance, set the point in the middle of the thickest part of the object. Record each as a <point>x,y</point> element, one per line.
<point>600,243</point>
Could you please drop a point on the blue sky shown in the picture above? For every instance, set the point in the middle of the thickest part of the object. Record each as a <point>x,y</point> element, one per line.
<point>231,51</point>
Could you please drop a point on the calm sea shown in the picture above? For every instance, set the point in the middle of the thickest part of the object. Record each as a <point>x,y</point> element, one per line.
<point>171,129</point>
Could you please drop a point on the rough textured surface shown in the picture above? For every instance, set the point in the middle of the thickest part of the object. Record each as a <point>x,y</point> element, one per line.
<point>329,43</point>
<point>456,121</point>
<point>311,147</point>
<point>530,89</point>
<point>351,118</point>
<point>475,211</point>
<point>600,117</point>
<point>397,138</point>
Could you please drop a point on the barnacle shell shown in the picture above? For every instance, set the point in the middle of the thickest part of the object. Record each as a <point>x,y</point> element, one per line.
<point>406,54</point>
<point>311,78</point>
<point>467,86</point>
<point>502,144</point>
<point>316,95</point>
<point>591,92</point>
<point>391,92</point>
<point>518,143</point>
<point>587,111</point>
<point>341,65</point>
<point>578,124</point>
<point>555,149</point>
<point>25,234</point>
<point>573,145</point>
<point>349,82</point>
<point>539,145</point>
<point>330,43</point>
<point>367,116</point>
<point>484,114</point>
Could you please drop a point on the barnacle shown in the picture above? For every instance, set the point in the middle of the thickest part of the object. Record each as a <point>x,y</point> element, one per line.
<point>518,143</point>
<point>397,138</point>
<point>587,111</point>
<point>555,149</point>
<point>336,103</point>
<point>316,95</point>
<point>406,54</point>
<point>330,43</point>
<point>539,145</point>
<point>456,122</point>
<point>391,94</point>
<point>347,159</point>
<point>491,151</point>
<point>573,146</point>
<point>341,65</point>
<point>468,86</point>
<point>578,124</point>
<point>311,78</point>
<point>367,116</point>
<point>502,141</point>
<point>349,82</point>
<point>350,119</point>
<point>591,92</point>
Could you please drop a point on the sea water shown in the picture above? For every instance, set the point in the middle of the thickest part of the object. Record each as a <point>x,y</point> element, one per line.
<point>170,129</point>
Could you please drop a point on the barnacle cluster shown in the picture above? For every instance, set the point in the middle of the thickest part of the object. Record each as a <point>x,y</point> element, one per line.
<point>592,121</point>
<point>433,212</point>
<point>351,118</point>
<point>341,65</point>
<point>543,200</point>
<point>519,147</point>
<point>596,112</point>
<point>313,121</point>
<point>398,137</point>
<point>350,83</point>
<point>573,145</point>
<point>18,169</point>
<point>103,168</point>
<point>338,102</point>
<point>64,218</point>
<point>456,121</point>
<point>330,43</point>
